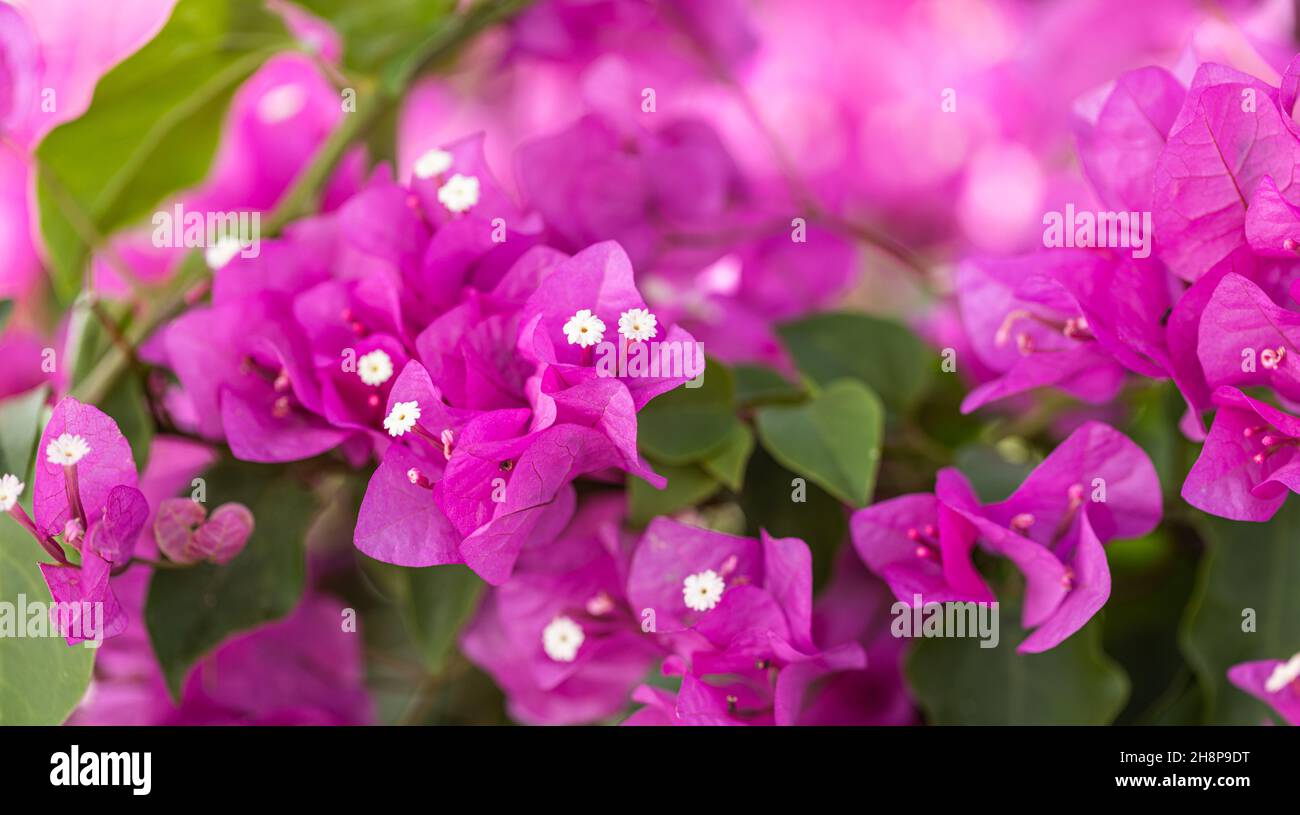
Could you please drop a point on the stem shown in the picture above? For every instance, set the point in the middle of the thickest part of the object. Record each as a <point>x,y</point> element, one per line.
<point>47,543</point>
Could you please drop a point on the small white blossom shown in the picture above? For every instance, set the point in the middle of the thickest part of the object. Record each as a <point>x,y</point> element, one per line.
<point>638,324</point>
<point>375,368</point>
<point>433,163</point>
<point>584,329</point>
<point>562,638</point>
<point>703,590</point>
<point>10,489</point>
<point>66,450</point>
<point>402,418</point>
<point>459,193</point>
<point>1283,675</point>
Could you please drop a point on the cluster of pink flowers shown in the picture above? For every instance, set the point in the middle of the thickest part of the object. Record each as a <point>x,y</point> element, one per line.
<point>440,325</point>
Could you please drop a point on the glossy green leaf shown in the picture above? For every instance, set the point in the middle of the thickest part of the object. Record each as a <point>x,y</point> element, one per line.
<point>41,678</point>
<point>190,611</point>
<point>687,485</point>
<point>833,439</point>
<point>690,424</point>
<point>758,384</point>
<point>151,130</point>
<point>883,355</point>
<point>728,464</point>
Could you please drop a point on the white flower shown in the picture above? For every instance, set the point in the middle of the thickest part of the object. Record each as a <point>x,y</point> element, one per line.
<point>10,489</point>
<point>435,162</point>
<point>638,324</point>
<point>562,638</point>
<point>222,252</point>
<point>66,450</point>
<point>402,418</point>
<point>584,329</point>
<point>375,368</point>
<point>1283,675</point>
<point>459,193</point>
<point>703,590</point>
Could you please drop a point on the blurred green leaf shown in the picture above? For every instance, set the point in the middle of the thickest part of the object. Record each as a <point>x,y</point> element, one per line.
<point>41,678</point>
<point>435,602</point>
<point>379,36</point>
<point>728,464</point>
<point>151,130</point>
<point>687,485</point>
<point>690,424</point>
<point>833,439</point>
<point>768,502</point>
<point>20,426</point>
<point>191,610</point>
<point>757,384</point>
<point>6,309</point>
<point>958,682</point>
<point>1248,566</point>
<point>883,355</point>
<point>127,405</point>
<point>993,475</point>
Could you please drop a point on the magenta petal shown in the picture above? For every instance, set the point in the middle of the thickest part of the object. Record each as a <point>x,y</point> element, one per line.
<point>125,513</point>
<point>1252,677</point>
<point>84,595</point>
<point>787,575</point>
<point>1119,151</point>
<point>399,522</point>
<point>173,529</point>
<point>108,464</point>
<point>668,553</point>
<point>1215,156</point>
<point>1272,221</point>
<point>1119,484</point>
<point>1090,588</point>
<point>256,434</point>
<point>1241,318</point>
<point>225,533</point>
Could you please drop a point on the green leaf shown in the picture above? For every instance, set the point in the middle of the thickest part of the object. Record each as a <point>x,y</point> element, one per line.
<point>127,405</point>
<point>434,603</point>
<point>833,439</point>
<point>687,485</point>
<point>20,426</point>
<point>958,682</point>
<point>728,464</point>
<point>818,520</point>
<point>756,384</point>
<point>1248,566</point>
<point>994,472</point>
<point>883,355</point>
<point>690,424</point>
<point>380,35</point>
<point>41,678</point>
<point>151,130</point>
<point>6,308</point>
<point>190,611</point>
